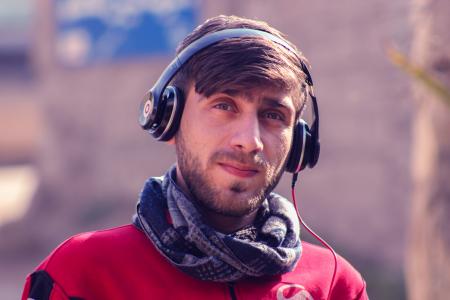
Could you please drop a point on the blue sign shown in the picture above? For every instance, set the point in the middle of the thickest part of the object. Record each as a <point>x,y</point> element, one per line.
<point>93,31</point>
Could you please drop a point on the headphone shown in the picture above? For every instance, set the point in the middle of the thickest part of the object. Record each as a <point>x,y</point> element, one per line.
<point>161,109</point>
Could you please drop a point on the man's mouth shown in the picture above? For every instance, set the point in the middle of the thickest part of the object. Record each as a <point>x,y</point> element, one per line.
<point>239,170</point>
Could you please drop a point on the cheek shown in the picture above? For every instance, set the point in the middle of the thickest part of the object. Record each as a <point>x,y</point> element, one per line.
<point>197,141</point>
<point>189,127</point>
<point>281,144</point>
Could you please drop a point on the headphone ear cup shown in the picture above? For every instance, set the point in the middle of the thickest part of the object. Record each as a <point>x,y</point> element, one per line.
<point>301,148</point>
<point>294,155</point>
<point>172,108</point>
<point>147,111</point>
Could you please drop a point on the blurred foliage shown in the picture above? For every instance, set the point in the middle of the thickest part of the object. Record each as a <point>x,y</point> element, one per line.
<point>419,74</point>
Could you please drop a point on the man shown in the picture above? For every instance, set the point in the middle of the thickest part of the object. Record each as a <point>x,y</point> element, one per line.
<point>210,228</point>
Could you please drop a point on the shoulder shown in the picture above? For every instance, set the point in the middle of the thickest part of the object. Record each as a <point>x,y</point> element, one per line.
<point>318,262</point>
<point>93,263</point>
<point>85,248</point>
<point>321,257</point>
<point>116,236</point>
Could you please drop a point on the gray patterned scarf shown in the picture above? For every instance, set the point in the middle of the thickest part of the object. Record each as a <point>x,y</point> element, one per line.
<point>270,246</point>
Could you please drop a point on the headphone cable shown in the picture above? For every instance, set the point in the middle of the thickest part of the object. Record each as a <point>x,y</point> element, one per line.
<point>316,236</point>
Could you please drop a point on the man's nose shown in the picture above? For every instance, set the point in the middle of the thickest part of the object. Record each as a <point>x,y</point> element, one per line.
<point>247,135</point>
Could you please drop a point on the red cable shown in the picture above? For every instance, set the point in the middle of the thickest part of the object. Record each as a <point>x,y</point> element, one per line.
<point>319,239</point>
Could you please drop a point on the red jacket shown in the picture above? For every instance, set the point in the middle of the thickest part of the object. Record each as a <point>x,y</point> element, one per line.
<point>121,263</point>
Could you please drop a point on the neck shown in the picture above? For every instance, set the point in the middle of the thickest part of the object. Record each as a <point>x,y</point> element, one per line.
<point>222,223</point>
<point>226,224</point>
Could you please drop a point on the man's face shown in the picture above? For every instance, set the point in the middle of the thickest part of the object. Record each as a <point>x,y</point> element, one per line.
<point>232,148</point>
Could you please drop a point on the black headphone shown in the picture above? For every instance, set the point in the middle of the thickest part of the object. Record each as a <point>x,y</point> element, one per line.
<point>161,109</point>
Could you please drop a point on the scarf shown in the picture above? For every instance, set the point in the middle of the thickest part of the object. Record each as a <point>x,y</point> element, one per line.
<point>269,246</point>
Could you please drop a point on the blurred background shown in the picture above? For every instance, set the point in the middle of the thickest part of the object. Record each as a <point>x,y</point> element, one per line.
<point>73,158</point>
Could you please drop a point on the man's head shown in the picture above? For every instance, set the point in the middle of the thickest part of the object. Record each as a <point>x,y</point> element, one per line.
<point>243,96</point>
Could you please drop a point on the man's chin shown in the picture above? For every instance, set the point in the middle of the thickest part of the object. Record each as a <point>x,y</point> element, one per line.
<point>242,210</point>
<point>234,212</point>
<point>232,206</point>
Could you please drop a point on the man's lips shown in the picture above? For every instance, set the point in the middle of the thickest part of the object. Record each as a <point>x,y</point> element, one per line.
<point>239,170</point>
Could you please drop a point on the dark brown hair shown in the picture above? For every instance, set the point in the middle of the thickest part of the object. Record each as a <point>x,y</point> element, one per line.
<point>241,64</point>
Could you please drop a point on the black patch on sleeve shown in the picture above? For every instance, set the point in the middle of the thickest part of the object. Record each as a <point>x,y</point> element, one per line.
<point>41,286</point>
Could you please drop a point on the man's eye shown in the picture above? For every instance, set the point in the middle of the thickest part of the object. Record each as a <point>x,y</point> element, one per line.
<point>274,116</point>
<point>223,106</point>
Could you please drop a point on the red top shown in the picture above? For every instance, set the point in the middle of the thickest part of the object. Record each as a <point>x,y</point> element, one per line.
<point>122,263</point>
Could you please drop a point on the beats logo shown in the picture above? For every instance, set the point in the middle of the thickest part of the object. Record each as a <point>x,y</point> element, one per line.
<point>293,292</point>
<point>147,108</point>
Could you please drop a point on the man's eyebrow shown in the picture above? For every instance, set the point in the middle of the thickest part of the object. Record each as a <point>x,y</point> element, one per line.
<point>270,101</point>
<point>276,103</point>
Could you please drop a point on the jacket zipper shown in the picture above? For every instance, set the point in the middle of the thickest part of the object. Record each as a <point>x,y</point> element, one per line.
<point>231,290</point>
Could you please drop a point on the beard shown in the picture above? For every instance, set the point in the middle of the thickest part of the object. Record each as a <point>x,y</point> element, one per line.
<point>235,200</point>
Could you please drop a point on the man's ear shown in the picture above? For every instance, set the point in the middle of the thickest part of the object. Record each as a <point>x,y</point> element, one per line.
<point>171,141</point>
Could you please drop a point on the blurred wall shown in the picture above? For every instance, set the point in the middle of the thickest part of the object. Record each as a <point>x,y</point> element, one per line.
<point>92,157</point>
